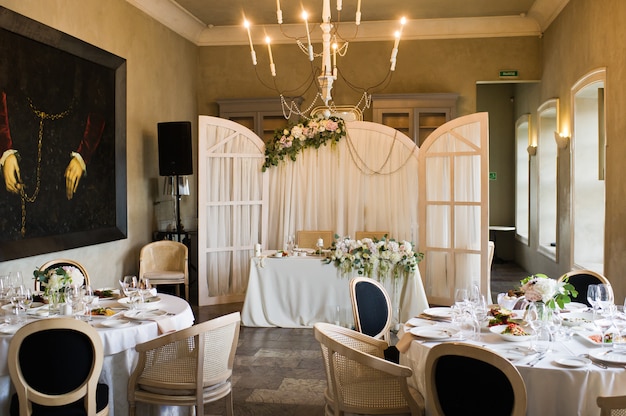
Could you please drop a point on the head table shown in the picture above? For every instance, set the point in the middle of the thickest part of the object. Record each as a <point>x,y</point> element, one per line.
<point>552,387</point>
<point>119,350</point>
<point>297,291</point>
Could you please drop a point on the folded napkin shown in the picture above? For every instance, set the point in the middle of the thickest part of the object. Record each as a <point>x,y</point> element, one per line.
<point>405,342</point>
<point>165,324</point>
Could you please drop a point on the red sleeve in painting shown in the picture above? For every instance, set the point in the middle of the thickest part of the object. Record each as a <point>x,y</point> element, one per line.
<point>92,136</point>
<point>5,134</point>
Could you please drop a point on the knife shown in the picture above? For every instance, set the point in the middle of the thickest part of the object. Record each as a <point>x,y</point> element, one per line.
<point>537,359</point>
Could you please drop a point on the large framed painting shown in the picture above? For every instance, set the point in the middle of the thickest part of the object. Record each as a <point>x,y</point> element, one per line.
<point>62,140</point>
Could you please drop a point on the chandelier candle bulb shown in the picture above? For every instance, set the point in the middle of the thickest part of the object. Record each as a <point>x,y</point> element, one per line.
<point>279,13</point>
<point>269,50</point>
<point>305,16</point>
<point>252,53</point>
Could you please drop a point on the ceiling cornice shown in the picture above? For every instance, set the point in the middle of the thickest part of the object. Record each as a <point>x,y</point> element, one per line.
<point>541,15</point>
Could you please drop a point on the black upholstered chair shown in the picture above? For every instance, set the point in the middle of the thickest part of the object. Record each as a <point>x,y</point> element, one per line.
<point>581,279</point>
<point>54,365</point>
<point>458,375</point>
<point>372,311</point>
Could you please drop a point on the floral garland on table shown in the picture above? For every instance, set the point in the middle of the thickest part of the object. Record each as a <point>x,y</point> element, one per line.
<point>56,279</point>
<point>541,288</point>
<point>290,141</point>
<point>373,257</point>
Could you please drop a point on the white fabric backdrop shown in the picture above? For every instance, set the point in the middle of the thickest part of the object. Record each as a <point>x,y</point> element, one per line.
<point>366,182</point>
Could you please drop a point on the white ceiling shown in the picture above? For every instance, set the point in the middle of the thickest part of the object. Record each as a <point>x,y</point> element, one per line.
<point>220,22</point>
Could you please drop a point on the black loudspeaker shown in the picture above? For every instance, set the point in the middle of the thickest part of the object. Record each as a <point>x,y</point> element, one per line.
<point>175,148</point>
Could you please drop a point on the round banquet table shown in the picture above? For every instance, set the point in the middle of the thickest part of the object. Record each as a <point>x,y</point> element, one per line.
<point>552,389</point>
<point>119,352</point>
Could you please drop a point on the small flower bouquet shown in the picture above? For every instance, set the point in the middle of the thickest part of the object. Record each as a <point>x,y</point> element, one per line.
<point>55,280</point>
<point>541,288</point>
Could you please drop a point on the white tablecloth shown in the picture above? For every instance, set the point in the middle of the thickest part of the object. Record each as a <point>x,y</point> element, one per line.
<point>119,355</point>
<point>294,292</point>
<point>552,389</point>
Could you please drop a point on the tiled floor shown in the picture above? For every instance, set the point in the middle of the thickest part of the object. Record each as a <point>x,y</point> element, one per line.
<point>279,371</point>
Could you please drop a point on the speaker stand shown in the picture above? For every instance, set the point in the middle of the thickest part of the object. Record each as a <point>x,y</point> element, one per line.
<point>179,225</point>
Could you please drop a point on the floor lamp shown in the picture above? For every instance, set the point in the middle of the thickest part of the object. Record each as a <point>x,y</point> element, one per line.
<point>175,160</point>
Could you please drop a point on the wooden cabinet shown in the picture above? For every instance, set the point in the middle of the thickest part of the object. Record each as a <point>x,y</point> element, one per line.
<point>261,115</point>
<point>416,115</point>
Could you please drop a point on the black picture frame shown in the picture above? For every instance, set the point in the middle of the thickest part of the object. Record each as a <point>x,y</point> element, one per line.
<point>60,96</point>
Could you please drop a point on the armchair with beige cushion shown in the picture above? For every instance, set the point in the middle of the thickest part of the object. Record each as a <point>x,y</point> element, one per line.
<point>190,367</point>
<point>165,263</point>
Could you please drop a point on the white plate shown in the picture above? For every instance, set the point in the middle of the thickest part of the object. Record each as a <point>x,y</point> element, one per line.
<point>515,353</point>
<point>142,315</point>
<point>439,313</point>
<point>586,336</point>
<point>418,322</point>
<point>497,329</point>
<point>573,361</point>
<point>577,318</point>
<point>9,329</point>
<point>609,356</point>
<point>115,293</point>
<point>576,306</point>
<point>433,332</point>
<point>114,323</point>
<point>149,303</point>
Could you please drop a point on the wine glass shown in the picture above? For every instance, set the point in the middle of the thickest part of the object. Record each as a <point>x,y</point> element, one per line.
<point>129,285</point>
<point>535,316</point>
<point>461,296</point>
<point>73,297</point>
<point>27,297</point>
<point>90,298</point>
<point>604,296</point>
<point>592,291</point>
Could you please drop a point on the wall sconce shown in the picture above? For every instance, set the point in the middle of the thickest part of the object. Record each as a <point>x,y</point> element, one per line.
<point>532,150</point>
<point>562,140</point>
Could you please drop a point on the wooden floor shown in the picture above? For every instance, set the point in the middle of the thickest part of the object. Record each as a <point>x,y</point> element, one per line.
<point>279,371</point>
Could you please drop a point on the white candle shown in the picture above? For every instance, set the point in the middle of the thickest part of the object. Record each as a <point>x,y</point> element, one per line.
<point>320,242</point>
<point>339,5</point>
<point>308,35</point>
<point>269,50</point>
<point>335,60</point>
<point>252,53</point>
<point>358,12</point>
<point>279,13</point>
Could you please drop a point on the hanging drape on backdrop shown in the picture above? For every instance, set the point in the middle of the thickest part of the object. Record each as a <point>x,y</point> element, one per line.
<point>366,182</point>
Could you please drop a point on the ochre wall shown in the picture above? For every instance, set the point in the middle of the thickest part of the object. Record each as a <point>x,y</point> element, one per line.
<point>161,86</point>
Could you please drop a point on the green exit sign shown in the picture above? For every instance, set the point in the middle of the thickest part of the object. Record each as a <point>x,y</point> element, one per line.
<point>492,176</point>
<point>509,73</point>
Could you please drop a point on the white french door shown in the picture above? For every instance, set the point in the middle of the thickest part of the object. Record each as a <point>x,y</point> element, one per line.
<point>232,214</point>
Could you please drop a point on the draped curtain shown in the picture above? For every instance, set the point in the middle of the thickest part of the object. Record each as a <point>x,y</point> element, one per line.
<point>366,182</point>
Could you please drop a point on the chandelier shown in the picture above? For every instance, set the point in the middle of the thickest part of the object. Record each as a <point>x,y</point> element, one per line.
<point>333,44</point>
